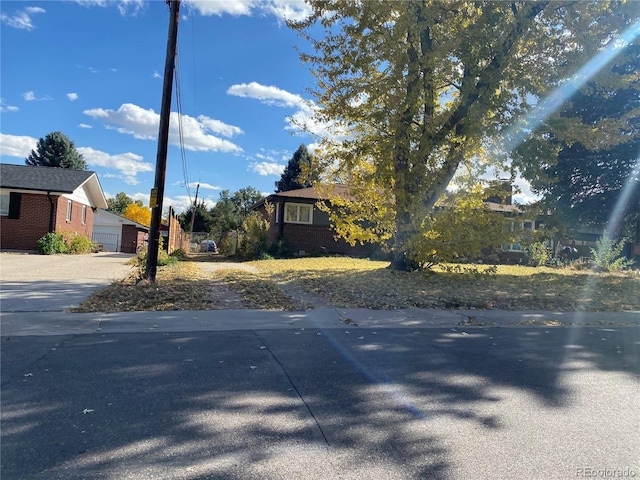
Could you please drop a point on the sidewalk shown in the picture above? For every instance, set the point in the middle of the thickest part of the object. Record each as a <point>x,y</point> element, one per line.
<point>59,323</point>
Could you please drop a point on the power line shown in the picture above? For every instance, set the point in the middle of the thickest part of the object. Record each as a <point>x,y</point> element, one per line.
<point>185,166</point>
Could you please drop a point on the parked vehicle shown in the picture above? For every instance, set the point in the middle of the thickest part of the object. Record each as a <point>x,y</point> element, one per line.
<point>208,246</point>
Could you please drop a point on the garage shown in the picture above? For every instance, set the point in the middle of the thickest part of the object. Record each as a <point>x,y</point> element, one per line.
<point>116,233</point>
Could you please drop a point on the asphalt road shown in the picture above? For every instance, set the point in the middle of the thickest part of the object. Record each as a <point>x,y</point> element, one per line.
<point>318,403</point>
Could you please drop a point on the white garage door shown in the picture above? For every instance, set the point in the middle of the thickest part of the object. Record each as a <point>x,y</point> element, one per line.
<point>108,236</point>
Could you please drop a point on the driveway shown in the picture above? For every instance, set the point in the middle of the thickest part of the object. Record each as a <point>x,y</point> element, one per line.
<point>42,283</point>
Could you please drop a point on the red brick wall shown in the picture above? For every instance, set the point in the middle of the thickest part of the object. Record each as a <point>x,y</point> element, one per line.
<point>23,233</point>
<point>75,225</point>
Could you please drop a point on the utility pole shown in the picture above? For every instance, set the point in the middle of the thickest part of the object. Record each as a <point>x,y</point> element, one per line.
<point>157,193</point>
<point>193,214</point>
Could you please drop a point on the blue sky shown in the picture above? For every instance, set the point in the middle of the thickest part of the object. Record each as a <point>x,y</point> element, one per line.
<point>93,70</point>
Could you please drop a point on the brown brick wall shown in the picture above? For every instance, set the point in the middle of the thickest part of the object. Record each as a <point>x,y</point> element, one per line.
<point>23,233</point>
<point>312,239</point>
<point>75,225</point>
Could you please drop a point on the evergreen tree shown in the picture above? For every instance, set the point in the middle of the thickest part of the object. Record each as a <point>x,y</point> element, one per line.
<point>56,150</point>
<point>202,221</point>
<point>587,154</point>
<point>298,172</point>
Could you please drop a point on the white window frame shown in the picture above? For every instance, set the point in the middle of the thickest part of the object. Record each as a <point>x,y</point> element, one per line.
<point>84,215</point>
<point>69,210</point>
<point>297,207</point>
<point>4,204</point>
<point>514,226</point>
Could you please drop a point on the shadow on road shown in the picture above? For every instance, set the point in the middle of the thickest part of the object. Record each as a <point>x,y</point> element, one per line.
<point>279,403</point>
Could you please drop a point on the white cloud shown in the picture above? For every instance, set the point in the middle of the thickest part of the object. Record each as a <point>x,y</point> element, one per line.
<point>156,74</point>
<point>269,95</point>
<point>216,126</point>
<point>289,9</point>
<point>204,186</point>
<point>143,124</point>
<point>7,108</point>
<point>220,7</point>
<point>84,125</point>
<point>283,9</point>
<point>267,168</point>
<point>128,164</point>
<point>182,203</point>
<point>22,18</point>
<point>72,96</point>
<point>124,6</point>
<point>305,119</point>
<point>30,96</point>
<point>525,196</point>
<point>18,146</point>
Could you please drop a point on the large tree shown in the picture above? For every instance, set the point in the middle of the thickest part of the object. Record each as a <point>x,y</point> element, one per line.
<point>202,221</point>
<point>56,150</point>
<point>587,154</point>
<point>298,173</point>
<point>413,89</point>
<point>138,213</point>
<point>120,202</point>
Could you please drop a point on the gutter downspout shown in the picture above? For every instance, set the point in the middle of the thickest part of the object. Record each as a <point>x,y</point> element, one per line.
<point>51,214</point>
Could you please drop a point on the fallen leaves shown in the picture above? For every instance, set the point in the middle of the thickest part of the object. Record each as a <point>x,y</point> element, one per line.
<point>360,283</point>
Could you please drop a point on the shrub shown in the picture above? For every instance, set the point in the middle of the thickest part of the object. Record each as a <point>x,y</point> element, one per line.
<point>254,241</point>
<point>163,258</point>
<point>77,243</point>
<point>280,249</point>
<point>52,243</point>
<point>179,254</point>
<point>607,256</point>
<point>538,254</point>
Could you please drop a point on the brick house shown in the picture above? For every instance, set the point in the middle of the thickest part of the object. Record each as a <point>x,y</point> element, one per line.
<point>38,200</point>
<point>297,220</point>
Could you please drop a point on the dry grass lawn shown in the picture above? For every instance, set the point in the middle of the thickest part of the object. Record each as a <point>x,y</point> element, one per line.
<point>344,282</point>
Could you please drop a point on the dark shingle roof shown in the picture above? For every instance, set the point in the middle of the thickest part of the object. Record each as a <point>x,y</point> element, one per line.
<point>45,179</point>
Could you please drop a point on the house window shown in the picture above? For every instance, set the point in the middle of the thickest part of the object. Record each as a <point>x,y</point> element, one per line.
<point>84,214</point>
<point>298,213</point>
<point>69,207</point>
<point>4,204</point>
<point>523,228</point>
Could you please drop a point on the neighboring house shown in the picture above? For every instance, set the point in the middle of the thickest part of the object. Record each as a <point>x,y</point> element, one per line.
<point>297,220</point>
<point>118,234</point>
<point>38,200</point>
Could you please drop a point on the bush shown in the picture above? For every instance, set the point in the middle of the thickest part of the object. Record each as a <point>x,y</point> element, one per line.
<point>280,249</point>
<point>538,254</point>
<point>254,241</point>
<point>179,254</point>
<point>607,256</point>
<point>77,243</point>
<point>52,243</point>
<point>163,258</point>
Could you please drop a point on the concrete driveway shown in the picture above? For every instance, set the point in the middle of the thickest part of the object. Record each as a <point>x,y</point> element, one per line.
<point>43,283</point>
